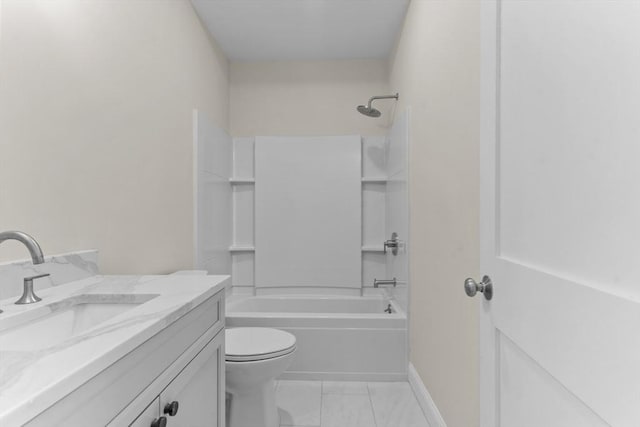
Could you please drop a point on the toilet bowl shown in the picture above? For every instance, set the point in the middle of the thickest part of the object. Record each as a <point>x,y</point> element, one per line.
<point>254,358</point>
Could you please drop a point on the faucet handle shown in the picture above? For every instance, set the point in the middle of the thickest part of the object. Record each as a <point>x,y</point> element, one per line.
<point>32,278</point>
<point>392,243</point>
<point>28,296</point>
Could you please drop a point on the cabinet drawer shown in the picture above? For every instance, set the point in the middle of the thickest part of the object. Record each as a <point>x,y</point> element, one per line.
<point>150,413</point>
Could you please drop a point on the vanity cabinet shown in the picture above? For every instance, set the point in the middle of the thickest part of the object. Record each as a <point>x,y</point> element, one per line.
<point>191,398</point>
<point>184,363</point>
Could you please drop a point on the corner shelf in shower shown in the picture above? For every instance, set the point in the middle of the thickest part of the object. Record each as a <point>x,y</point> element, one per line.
<point>242,180</point>
<point>242,248</point>
<point>374,180</point>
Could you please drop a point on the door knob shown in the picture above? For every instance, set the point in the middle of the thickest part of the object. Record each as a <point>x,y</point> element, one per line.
<point>471,287</point>
<point>159,422</point>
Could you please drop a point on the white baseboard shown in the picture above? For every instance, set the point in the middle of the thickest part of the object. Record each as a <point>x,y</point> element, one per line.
<point>424,399</point>
<point>343,376</point>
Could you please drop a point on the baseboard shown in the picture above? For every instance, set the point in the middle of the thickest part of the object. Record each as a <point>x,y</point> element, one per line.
<point>425,401</point>
<point>343,376</point>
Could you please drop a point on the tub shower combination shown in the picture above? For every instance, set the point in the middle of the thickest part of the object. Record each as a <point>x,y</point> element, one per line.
<point>314,226</point>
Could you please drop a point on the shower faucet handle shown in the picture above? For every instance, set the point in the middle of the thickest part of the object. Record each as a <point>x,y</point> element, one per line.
<point>392,243</point>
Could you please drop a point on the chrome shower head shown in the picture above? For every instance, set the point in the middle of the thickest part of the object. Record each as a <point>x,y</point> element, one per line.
<point>369,111</point>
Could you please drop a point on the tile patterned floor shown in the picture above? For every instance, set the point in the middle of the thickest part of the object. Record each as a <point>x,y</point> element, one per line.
<point>347,404</point>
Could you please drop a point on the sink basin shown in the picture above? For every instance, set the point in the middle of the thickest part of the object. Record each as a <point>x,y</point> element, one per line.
<point>61,321</point>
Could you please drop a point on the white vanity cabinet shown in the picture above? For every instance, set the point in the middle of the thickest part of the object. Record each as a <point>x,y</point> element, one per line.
<point>194,388</point>
<point>184,363</point>
<point>194,393</point>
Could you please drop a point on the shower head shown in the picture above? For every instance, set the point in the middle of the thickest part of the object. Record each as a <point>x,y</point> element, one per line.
<point>369,111</point>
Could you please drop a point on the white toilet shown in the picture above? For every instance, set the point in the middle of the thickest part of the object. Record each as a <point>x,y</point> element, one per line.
<point>254,358</point>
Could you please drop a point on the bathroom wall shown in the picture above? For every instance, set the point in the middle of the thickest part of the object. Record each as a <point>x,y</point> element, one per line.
<point>96,101</point>
<point>436,70</point>
<point>306,98</point>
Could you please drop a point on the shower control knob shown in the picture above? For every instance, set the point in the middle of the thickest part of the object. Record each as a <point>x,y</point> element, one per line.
<point>392,243</point>
<point>171,409</point>
<point>159,422</point>
<point>471,287</point>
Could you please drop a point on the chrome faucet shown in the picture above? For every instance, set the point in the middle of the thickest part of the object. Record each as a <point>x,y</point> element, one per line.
<point>28,296</point>
<point>36,258</point>
<point>392,243</point>
<point>377,283</point>
<point>28,241</point>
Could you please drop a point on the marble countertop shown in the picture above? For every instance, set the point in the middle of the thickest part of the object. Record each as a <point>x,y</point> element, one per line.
<point>32,379</point>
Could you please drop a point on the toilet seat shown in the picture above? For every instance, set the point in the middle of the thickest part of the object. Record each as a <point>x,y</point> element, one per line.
<point>254,344</point>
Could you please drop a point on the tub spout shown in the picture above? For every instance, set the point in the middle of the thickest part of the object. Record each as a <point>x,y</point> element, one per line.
<point>377,283</point>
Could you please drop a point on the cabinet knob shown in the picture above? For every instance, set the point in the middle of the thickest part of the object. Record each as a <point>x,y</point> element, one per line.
<point>159,422</point>
<point>171,408</point>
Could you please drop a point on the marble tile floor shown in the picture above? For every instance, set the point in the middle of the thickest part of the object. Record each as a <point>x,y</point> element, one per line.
<point>347,404</point>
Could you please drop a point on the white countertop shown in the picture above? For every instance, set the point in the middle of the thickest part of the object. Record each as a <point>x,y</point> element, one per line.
<point>33,380</point>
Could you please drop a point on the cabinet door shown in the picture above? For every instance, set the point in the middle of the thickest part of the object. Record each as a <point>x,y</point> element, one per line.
<point>148,415</point>
<point>198,389</point>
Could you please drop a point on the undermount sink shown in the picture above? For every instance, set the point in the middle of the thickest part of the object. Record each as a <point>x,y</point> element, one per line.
<point>61,321</point>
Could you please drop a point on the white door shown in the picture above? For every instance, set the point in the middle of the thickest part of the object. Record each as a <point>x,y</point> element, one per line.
<point>560,213</point>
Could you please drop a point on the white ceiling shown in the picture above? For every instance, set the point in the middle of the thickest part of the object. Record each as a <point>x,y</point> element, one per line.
<point>254,30</point>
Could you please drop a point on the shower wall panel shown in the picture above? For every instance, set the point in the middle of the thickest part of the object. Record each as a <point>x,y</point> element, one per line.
<point>213,214</point>
<point>397,206</point>
<point>308,204</point>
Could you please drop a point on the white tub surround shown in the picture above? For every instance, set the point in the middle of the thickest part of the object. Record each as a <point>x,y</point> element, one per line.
<point>212,147</point>
<point>337,338</point>
<point>371,184</point>
<point>63,268</point>
<point>308,212</point>
<point>397,207</point>
<point>37,373</point>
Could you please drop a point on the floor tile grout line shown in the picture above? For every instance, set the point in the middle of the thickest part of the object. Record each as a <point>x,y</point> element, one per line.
<point>373,411</point>
<point>321,400</point>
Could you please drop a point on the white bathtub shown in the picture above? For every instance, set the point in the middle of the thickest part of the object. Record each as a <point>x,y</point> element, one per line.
<point>338,338</point>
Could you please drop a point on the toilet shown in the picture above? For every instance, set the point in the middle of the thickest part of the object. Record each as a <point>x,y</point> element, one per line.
<point>254,357</point>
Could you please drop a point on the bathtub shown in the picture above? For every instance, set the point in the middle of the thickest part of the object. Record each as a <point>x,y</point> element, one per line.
<point>338,338</point>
